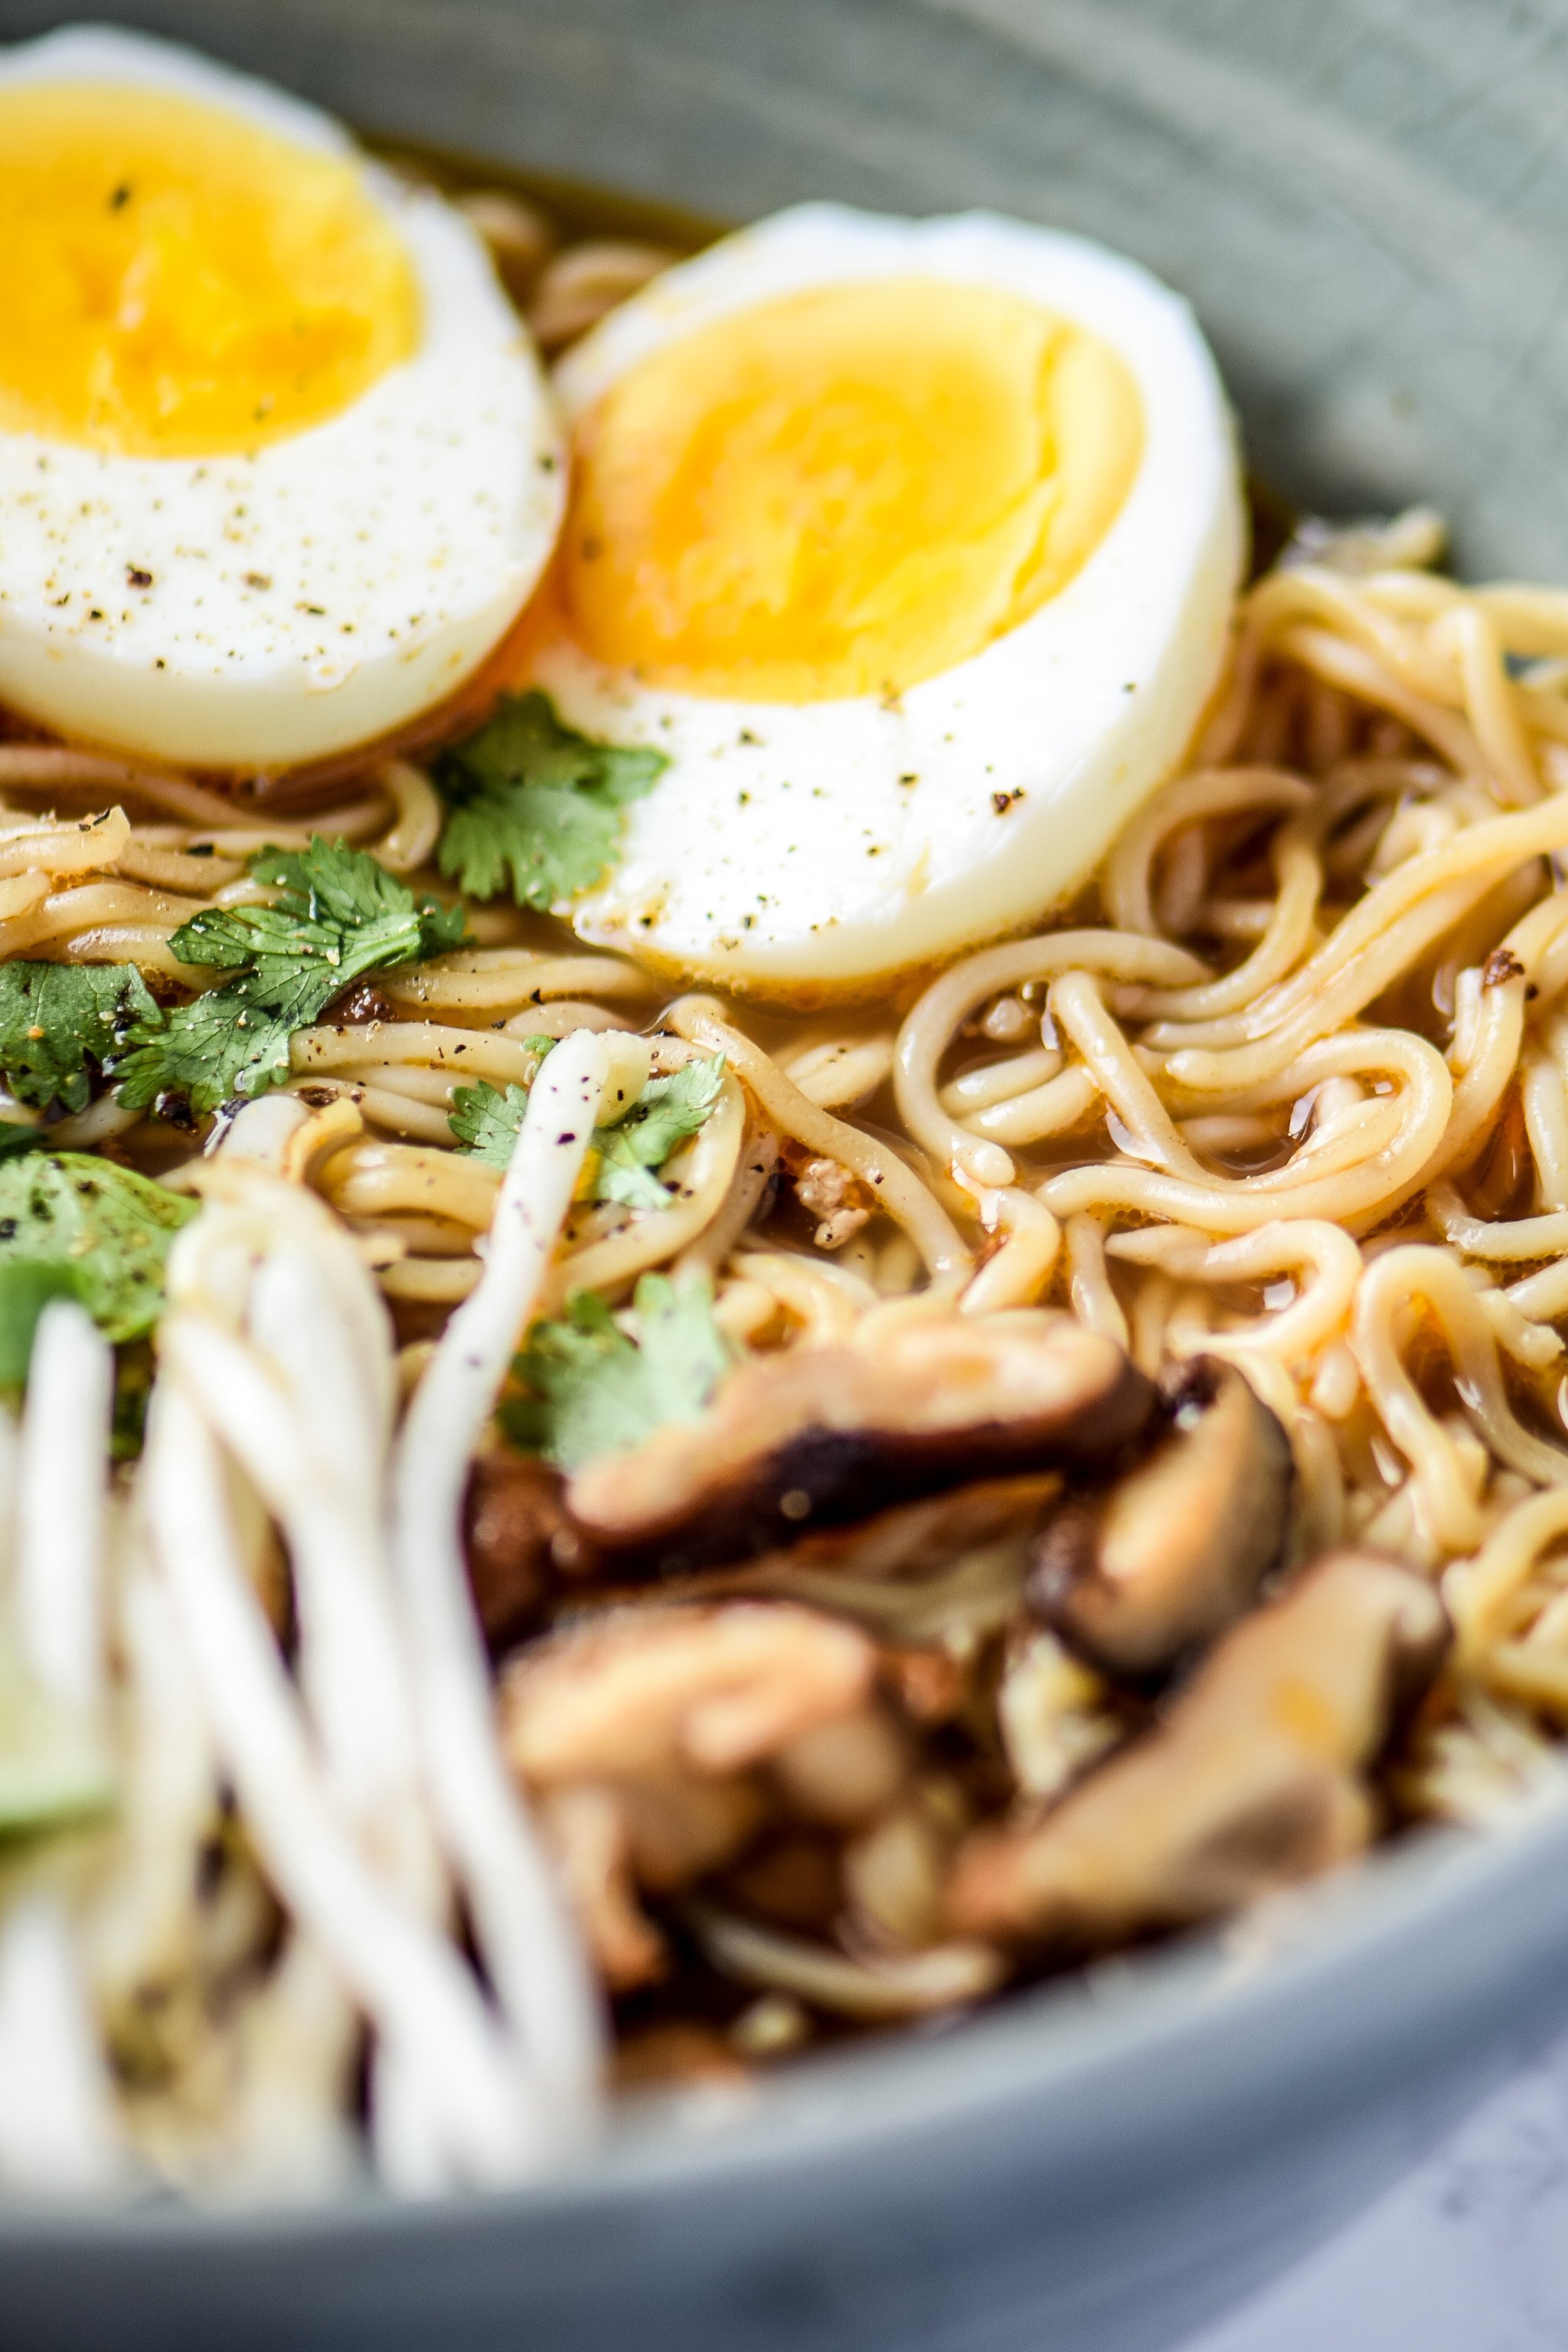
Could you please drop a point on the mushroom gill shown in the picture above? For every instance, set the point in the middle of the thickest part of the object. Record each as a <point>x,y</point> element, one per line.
<point>1177,1550</point>
<point>1257,1777</point>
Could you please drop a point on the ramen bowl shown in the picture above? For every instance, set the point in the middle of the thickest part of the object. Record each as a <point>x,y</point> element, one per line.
<point>1367,227</point>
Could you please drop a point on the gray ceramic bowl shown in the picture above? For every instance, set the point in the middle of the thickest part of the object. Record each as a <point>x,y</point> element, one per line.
<point>1366,201</point>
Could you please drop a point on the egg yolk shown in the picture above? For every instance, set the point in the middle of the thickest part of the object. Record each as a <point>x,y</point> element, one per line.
<point>177,282</point>
<point>845,491</point>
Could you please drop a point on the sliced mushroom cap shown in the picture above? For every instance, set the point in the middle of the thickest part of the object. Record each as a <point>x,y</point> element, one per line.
<point>1257,1777</point>
<point>646,1693</point>
<point>1177,1550</point>
<point>820,1436</point>
<point>642,1734</point>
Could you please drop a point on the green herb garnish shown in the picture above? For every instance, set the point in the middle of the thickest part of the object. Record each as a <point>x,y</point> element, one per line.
<point>531,802</point>
<point>60,1021</point>
<point>595,1390</point>
<point>667,1112</point>
<point>337,914</point>
<point>486,1122</point>
<point>73,1226</point>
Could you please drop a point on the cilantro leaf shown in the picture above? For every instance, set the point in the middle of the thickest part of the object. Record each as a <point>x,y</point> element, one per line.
<point>331,884</point>
<point>72,1225</point>
<point>58,1020</point>
<point>337,914</point>
<point>596,1391</point>
<point>486,1122</point>
<point>227,1043</point>
<point>665,1112</point>
<point>531,802</point>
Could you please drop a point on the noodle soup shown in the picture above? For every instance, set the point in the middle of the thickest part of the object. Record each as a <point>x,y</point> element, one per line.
<point>833,1277</point>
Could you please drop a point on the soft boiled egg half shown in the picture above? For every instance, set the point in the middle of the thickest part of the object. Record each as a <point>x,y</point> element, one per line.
<point>913,546</point>
<point>278,467</point>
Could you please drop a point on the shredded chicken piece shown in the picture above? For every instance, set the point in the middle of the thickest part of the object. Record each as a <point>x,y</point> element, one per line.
<point>832,1193</point>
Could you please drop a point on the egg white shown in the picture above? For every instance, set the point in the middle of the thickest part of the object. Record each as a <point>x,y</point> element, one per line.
<point>315,593</point>
<point>819,847</point>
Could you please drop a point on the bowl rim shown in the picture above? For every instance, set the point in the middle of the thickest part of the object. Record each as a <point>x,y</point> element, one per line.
<point>1284,1983</point>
